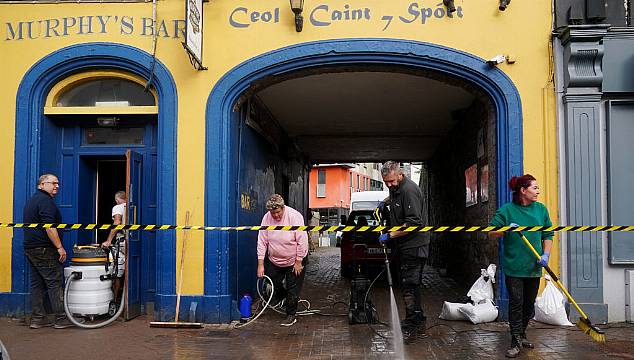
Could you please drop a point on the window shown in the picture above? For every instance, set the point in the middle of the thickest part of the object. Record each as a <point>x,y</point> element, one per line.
<point>358,182</point>
<point>376,185</point>
<point>106,92</point>
<point>351,182</point>
<point>112,136</point>
<point>321,183</point>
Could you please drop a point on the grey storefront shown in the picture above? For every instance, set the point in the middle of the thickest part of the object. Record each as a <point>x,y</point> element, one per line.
<point>593,48</point>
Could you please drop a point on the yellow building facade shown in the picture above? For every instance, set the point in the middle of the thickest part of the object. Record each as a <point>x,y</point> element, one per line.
<point>192,155</point>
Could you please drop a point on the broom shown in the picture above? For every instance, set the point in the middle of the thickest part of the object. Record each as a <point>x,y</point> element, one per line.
<point>584,322</point>
<point>176,323</point>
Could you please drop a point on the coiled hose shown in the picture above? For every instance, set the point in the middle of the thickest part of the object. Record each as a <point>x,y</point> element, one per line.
<point>261,297</point>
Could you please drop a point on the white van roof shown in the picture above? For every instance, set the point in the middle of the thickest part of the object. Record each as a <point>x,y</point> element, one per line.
<point>367,200</point>
<point>369,195</point>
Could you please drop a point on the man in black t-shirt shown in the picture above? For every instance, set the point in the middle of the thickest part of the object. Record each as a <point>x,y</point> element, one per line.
<point>406,201</point>
<point>45,252</point>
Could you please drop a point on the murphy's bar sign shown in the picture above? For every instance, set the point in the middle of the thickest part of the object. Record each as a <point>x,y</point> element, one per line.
<point>320,15</point>
<point>93,24</point>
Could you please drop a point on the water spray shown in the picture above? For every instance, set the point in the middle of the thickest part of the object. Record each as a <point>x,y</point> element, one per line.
<point>397,333</point>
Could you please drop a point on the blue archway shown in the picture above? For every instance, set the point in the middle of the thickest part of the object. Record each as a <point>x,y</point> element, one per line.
<point>218,161</point>
<point>29,118</point>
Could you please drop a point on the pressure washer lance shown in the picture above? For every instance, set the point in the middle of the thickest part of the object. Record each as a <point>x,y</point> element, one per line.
<point>387,265</point>
<point>377,217</point>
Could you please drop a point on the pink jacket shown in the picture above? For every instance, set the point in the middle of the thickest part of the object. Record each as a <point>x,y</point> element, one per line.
<point>284,246</point>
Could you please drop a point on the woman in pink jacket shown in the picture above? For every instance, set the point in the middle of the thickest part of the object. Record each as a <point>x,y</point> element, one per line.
<point>282,255</point>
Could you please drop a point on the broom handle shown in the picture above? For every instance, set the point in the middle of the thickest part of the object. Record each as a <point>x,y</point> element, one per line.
<point>180,276</point>
<point>552,274</point>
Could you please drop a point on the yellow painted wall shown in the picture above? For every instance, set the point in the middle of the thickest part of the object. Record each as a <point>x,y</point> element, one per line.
<point>522,31</point>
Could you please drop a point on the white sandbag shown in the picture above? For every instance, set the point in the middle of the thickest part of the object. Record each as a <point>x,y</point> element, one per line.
<point>550,307</point>
<point>450,311</point>
<point>480,313</point>
<point>482,289</point>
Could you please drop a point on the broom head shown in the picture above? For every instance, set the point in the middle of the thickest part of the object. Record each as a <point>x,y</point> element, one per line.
<point>176,325</point>
<point>595,333</point>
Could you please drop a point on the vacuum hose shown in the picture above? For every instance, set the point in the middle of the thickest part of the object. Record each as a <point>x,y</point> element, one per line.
<point>69,280</point>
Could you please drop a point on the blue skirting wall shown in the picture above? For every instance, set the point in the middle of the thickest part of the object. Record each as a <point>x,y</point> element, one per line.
<point>221,171</point>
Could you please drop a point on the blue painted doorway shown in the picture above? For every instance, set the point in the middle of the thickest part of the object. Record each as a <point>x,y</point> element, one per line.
<point>38,151</point>
<point>92,162</point>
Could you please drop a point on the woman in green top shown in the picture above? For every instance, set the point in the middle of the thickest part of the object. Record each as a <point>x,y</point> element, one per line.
<point>520,269</point>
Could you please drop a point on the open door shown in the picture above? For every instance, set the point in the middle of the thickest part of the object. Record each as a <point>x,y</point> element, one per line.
<point>134,162</point>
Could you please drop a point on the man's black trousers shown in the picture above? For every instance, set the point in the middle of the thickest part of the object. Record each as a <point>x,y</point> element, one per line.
<point>293,285</point>
<point>412,264</point>
<point>47,275</point>
<point>522,293</point>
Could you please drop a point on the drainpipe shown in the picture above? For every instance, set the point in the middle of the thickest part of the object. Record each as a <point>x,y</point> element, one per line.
<point>558,60</point>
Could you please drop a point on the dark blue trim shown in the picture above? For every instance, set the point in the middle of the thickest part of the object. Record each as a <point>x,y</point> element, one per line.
<point>29,117</point>
<point>219,170</point>
<point>14,304</point>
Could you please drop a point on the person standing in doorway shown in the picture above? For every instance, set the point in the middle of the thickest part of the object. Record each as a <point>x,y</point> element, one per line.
<point>282,255</point>
<point>116,240</point>
<point>46,254</point>
<point>406,201</point>
<point>314,235</point>
<point>521,272</point>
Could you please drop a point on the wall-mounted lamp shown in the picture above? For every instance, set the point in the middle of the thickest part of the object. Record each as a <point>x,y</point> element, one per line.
<point>504,4</point>
<point>298,6</point>
<point>451,7</point>
<point>107,121</point>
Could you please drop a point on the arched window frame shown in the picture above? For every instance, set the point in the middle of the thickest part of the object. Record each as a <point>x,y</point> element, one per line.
<point>77,79</point>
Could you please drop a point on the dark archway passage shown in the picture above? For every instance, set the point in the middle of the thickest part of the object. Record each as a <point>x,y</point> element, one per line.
<point>269,151</point>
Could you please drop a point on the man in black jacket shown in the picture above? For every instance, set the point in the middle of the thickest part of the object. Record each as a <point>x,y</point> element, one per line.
<point>406,201</point>
<point>45,252</point>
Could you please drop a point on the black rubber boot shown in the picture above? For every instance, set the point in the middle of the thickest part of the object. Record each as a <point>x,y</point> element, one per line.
<point>410,333</point>
<point>525,343</point>
<point>516,347</point>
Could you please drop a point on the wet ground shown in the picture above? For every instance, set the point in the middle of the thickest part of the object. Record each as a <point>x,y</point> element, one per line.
<point>315,336</point>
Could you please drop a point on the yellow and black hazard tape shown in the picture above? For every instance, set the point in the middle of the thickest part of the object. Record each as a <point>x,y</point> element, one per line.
<point>323,228</point>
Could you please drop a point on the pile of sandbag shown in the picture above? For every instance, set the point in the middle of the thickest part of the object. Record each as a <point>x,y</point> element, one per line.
<point>550,308</point>
<point>482,309</point>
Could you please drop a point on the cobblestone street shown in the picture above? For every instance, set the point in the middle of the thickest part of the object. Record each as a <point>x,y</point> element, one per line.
<point>314,336</point>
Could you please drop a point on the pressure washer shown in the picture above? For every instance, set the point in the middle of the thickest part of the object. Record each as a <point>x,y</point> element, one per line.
<point>360,308</point>
<point>88,293</point>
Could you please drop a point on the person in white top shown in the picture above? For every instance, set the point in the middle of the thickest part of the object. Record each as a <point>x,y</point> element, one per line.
<point>118,217</point>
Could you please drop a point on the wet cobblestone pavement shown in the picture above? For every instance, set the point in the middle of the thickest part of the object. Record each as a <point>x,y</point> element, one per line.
<point>315,336</point>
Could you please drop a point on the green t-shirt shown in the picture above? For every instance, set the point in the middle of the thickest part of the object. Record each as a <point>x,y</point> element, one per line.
<point>518,260</point>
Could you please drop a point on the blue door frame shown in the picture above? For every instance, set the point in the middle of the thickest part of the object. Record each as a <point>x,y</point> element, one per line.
<point>221,171</point>
<point>30,121</point>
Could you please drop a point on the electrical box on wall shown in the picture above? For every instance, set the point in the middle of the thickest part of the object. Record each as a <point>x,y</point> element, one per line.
<point>629,295</point>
